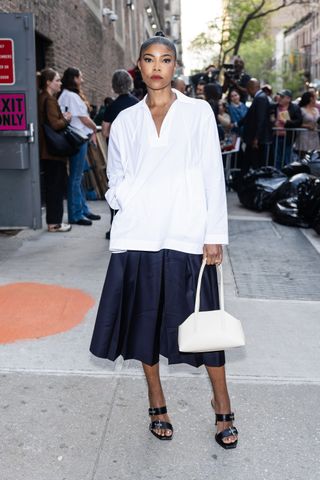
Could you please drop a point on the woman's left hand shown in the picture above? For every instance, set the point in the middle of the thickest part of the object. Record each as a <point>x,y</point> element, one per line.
<point>93,139</point>
<point>213,253</point>
<point>67,116</point>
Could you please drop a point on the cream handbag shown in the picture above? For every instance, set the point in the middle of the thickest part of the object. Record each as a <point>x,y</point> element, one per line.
<point>210,331</point>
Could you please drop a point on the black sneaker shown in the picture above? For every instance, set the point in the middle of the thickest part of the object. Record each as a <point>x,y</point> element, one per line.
<point>92,216</point>
<point>82,221</point>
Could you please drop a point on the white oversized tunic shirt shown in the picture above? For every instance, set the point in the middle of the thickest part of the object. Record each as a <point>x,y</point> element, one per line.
<point>169,189</point>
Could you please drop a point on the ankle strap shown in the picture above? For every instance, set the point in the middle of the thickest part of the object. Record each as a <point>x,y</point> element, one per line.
<point>224,417</point>
<point>157,410</point>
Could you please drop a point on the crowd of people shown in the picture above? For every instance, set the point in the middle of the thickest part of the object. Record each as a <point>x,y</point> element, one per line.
<point>166,182</point>
<point>62,103</point>
<point>167,189</point>
<point>271,126</point>
<point>176,217</point>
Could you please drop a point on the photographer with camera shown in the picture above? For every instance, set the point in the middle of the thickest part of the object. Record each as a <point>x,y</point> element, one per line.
<point>235,78</point>
<point>210,75</point>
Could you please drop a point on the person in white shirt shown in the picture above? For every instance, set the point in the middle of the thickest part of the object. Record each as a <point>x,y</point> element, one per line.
<point>73,100</point>
<point>166,180</point>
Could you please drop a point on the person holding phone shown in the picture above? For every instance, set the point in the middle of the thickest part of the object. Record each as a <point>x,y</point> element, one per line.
<point>73,100</point>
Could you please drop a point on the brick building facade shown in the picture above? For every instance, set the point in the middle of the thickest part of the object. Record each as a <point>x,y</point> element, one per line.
<point>97,36</point>
<point>297,33</point>
<point>297,44</point>
<point>315,48</point>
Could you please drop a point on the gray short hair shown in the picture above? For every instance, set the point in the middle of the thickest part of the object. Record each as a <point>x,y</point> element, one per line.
<point>122,82</point>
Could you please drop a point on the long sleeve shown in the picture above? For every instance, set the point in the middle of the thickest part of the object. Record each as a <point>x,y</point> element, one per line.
<point>115,169</point>
<point>262,112</point>
<point>169,188</point>
<point>295,117</point>
<point>54,115</point>
<point>240,114</point>
<point>213,176</point>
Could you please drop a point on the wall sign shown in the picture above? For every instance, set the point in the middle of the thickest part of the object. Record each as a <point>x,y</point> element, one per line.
<point>13,111</point>
<point>7,72</point>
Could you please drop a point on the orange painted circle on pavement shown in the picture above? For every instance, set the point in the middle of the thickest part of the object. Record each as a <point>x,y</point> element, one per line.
<point>33,310</point>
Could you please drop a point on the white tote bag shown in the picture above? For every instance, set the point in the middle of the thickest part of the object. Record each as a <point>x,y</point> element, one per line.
<point>210,331</point>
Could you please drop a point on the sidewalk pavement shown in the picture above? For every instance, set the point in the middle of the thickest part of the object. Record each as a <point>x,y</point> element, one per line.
<point>69,416</point>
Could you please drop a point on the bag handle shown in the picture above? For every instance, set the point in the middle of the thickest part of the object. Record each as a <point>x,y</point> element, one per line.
<point>219,269</point>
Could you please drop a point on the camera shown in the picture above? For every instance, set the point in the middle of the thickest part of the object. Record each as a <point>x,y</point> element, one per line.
<point>229,71</point>
<point>213,74</point>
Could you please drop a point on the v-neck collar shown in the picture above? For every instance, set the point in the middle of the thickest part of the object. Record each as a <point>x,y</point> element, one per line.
<point>165,120</point>
<point>150,127</point>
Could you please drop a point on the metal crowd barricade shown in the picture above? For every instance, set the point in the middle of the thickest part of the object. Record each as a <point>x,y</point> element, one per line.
<point>275,149</point>
<point>230,159</point>
<point>279,149</point>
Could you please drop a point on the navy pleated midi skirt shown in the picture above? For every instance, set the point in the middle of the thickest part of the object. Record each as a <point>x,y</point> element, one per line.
<point>146,296</point>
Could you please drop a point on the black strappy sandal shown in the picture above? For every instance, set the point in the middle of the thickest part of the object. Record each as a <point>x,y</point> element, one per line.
<point>157,424</point>
<point>228,432</point>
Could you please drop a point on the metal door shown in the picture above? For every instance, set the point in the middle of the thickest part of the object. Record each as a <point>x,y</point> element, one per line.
<point>20,204</point>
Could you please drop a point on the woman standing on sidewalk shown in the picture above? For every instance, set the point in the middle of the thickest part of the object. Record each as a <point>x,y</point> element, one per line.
<point>54,167</point>
<point>309,139</point>
<point>166,179</point>
<point>73,100</point>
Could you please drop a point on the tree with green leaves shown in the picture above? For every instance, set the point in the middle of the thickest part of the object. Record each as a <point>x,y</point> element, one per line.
<point>253,13</point>
<point>258,55</point>
<point>243,21</point>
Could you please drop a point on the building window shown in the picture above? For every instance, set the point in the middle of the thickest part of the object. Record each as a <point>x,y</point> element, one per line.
<point>167,4</point>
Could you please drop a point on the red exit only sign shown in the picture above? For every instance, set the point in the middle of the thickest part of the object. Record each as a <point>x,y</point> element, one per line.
<point>7,76</point>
